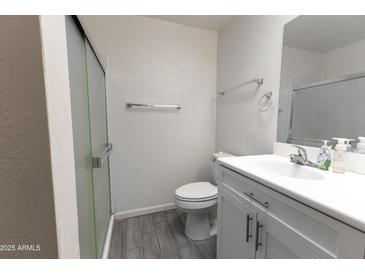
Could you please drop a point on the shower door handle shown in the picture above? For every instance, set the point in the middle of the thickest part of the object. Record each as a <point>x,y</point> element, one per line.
<point>98,161</point>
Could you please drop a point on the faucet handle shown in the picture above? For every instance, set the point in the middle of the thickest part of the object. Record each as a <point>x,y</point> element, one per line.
<point>301,151</point>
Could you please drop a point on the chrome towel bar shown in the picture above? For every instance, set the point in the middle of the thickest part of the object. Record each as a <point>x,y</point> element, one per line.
<point>258,81</point>
<point>133,105</point>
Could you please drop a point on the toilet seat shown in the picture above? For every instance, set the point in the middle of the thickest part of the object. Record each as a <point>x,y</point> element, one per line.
<point>197,200</point>
<point>196,206</point>
<point>196,192</point>
<point>196,196</point>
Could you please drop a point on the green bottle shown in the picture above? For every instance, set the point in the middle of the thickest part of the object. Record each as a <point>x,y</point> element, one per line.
<point>324,156</point>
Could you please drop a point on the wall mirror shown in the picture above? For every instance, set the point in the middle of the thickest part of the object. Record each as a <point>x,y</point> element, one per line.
<point>322,87</point>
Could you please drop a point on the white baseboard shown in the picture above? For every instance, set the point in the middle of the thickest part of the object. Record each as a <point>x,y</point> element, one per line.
<point>143,211</point>
<point>108,238</point>
<point>127,214</point>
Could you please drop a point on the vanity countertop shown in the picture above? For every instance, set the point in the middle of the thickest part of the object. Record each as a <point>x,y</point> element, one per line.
<point>341,196</point>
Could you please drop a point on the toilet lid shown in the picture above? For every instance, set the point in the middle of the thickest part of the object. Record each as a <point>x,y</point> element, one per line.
<point>197,191</point>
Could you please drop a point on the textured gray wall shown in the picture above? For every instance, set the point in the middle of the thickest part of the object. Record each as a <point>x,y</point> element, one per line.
<point>26,196</point>
<point>248,47</point>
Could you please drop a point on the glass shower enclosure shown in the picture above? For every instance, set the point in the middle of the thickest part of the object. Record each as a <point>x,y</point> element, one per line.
<point>91,147</point>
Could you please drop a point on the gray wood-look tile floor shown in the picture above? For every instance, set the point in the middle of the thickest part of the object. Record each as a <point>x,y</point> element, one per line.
<point>157,236</point>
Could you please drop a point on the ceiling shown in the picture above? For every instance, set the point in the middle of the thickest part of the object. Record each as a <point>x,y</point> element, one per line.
<point>210,22</point>
<point>322,33</point>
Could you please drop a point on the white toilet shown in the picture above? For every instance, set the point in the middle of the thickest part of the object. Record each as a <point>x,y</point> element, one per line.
<point>198,201</point>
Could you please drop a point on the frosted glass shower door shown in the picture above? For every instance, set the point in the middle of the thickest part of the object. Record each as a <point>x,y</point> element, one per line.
<point>99,145</point>
<point>90,134</point>
<point>81,136</point>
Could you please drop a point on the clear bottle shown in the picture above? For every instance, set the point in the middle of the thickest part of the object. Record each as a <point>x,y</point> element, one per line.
<point>349,145</point>
<point>360,148</point>
<point>339,155</point>
<point>324,156</point>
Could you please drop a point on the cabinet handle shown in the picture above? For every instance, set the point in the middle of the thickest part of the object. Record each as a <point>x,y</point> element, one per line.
<point>251,195</point>
<point>257,244</point>
<point>248,219</point>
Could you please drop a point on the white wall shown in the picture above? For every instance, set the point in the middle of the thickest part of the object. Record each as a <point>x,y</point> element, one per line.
<point>58,99</point>
<point>342,61</point>
<point>249,47</point>
<point>152,61</point>
<point>298,67</point>
<point>303,66</point>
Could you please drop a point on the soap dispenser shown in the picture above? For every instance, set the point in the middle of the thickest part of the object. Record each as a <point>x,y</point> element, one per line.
<point>324,156</point>
<point>360,148</point>
<point>339,155</point>
<point>349,145</point>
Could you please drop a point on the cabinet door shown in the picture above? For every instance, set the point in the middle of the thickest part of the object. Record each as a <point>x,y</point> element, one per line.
<point>235,228</point>
<point>275,240</point>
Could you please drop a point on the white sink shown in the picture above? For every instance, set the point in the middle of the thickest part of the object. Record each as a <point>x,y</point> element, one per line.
<point>290,170</point>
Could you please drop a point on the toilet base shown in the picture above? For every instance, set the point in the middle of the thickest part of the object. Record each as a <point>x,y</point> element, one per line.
<point>197,226</point>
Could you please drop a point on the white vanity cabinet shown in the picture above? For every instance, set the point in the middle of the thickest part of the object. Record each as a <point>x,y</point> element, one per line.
<point>237,228</point>
<point>278,240</point>
<point>255,221</point>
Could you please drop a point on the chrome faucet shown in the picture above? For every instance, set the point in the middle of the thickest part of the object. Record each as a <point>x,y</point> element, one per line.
<point>301,158</point>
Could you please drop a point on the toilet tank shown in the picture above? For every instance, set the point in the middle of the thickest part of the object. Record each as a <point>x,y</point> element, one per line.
<point>215,156</point>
